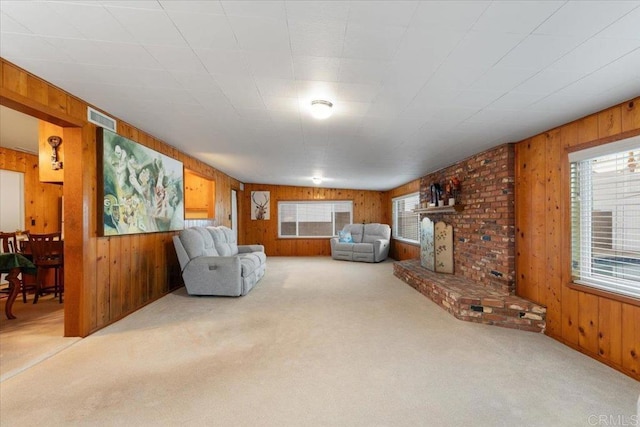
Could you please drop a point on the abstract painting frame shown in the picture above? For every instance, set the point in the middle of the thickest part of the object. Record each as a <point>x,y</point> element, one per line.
<point>140,190</point>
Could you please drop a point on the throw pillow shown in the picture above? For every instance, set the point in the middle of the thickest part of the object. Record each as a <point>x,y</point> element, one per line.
<point>345,237</point>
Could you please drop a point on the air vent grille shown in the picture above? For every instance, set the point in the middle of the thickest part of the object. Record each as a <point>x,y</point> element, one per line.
<point>97,118</point>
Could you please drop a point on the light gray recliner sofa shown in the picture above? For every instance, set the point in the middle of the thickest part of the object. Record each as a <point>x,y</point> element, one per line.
<point>370,243</point>
<point>212,263</point>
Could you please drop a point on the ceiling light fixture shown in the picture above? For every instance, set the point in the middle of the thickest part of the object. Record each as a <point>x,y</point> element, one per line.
<point>321,109</point>
<point>316,180</point>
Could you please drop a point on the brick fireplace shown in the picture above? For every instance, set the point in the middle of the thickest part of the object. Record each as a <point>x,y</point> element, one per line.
<point>482,287</point>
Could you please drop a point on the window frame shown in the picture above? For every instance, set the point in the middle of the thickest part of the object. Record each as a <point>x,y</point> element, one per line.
<point>312,202</point>
<point>394,219</point>
<point>583,260</point>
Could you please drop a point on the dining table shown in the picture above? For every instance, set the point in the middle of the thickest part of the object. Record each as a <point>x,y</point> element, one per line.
<point>13,264</point>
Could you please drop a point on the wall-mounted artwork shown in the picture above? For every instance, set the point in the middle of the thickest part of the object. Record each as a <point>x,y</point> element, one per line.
<point>260,205</point>
<point>141,189</point>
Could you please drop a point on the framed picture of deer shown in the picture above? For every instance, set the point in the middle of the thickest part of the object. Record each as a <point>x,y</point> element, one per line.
<point>260,205</point>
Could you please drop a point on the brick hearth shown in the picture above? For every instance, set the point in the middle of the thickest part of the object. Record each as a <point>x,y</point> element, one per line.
<point>470,301</point>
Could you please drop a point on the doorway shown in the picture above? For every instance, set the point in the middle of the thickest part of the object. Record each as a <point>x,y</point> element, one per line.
<point>234,212</point>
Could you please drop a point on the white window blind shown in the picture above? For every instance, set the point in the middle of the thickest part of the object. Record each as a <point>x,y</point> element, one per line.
<point>313,219</point>
<point>605,221</point>
<point>406,223</point>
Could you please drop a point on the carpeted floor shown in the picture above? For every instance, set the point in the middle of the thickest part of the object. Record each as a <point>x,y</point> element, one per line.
<point>35,335</point>
<point>317,342</point>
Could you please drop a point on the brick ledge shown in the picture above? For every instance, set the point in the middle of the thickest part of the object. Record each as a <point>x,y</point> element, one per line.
<point>470,301</point>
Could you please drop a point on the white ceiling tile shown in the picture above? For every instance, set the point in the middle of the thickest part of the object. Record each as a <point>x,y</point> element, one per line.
<point>39,18</point>
<point>476,99</point>
<point>502,78</point>
<point>321,39</point>
<point>548,81</point>
<point>414,90</point>
<point>262,8</point>
<point>538,51</point>
<point>127,55</point>
<point>193,6</point>
<point>372,42</point>
<point>9,25</point>
<point>316,68</point>
<point>15,46</point>
<point>458,15</point>
<point>363,70</point>
<point>383,13</point>
<point>132,4</point>
<point>224,62</point>
<point>241,91</point>
<point>356,92</point>
<point>456,75</point>
<point>519,17</point>
<point>93,21</point>
<point>202,30</point>
<point>277,87</point>
<point>281,104</point>
<point>515,101</point>
<point>197,82</point>
<point>317,11</point>
<point>274,65</point>
<point>483,49</point>
<point>595,53</point>
<point>258,33</point>
<point>584,19</point>
<point>625,27</point>
<point>148,26</point>
<point>176,58</point>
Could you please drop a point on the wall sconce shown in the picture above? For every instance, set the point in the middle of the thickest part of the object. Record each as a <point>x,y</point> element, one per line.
<point>54,142</point>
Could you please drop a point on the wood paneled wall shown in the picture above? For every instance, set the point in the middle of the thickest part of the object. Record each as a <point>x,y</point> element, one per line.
<point>602,327</point>
<point>42,200</point>
<point>368,206</point>
<point>106,277</point>
<point>400,250</point>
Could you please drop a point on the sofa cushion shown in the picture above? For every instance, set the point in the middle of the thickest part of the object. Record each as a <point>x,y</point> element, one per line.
<point>345,237</point>
<point>374,231</point>
<point>224,240</point>
<point>363,248</point>
<point>197,242</point>
<point>344,246</point>
<point>356,231</point>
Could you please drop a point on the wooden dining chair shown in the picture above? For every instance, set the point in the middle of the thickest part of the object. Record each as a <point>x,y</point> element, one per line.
<point>9,244</point>
<point>47,251</point>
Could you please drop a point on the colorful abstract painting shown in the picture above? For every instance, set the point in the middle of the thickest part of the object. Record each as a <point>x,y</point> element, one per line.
<point>142,190</point>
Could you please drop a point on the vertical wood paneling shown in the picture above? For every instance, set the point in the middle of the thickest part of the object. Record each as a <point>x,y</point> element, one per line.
<point>552,287</point>
<point>41,199</point>
<point>588,322</point>
<point>602,327</point>
<point>367,207</point>
<point>631,339</point>
<point>610,330</point>
<point>111,276</point>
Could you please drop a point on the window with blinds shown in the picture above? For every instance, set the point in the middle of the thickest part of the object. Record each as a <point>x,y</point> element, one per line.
<point>406,223</point>
<point>605,217</point>
<point>313,219</point>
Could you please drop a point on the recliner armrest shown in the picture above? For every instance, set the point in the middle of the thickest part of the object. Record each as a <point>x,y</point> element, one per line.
<point>244,249</point>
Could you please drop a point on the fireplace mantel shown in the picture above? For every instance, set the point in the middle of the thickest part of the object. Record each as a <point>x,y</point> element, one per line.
<point>440,209</point>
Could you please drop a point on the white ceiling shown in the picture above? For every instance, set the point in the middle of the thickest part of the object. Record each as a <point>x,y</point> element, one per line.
<point>416,85</point>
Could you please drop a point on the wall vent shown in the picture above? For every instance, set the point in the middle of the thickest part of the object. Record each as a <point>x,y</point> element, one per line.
<point>97,118</point>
